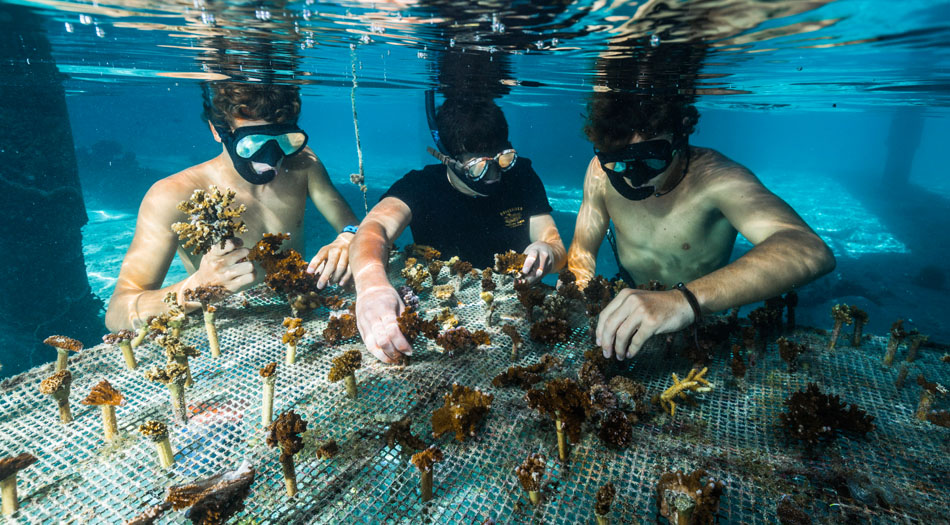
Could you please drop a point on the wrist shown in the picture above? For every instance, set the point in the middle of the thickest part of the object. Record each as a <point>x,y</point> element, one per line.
<point>691,303</point>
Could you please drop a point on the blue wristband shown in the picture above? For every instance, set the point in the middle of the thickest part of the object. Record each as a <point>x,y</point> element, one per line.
<point>350,228</point>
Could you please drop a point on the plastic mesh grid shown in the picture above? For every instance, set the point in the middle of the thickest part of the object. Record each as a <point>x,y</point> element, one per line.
<point>731,432</point>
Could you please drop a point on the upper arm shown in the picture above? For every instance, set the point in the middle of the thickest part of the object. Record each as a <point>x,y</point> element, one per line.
<point>328,200</point>
<point>592,218</point>
<point>750,207</point>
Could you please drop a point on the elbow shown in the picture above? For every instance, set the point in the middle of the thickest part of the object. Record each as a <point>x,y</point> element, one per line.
<point>821,259</point>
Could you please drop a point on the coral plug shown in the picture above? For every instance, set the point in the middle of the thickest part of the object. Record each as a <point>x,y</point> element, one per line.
<point>172,376</point>
<point>344,367</point>
<point>928,393</point>
<point>860,319</point>
<point>57,385</point>
<point>206,295</point>
<point>291,337</point>
<point>489,299</point>
<point>567,404</point>
<point>898,334</point>
<point>157,432</point>
<point>123,340</point>
<point>285,432</point>
<point>515,337</point>
<point>425,461</point>
<point>107,398</point>
<point>63,345</point>
<point>605,498</point>
<point>269,377</point>
<point>841,314</point>
<point>530,474</point>
<point>9,466</point>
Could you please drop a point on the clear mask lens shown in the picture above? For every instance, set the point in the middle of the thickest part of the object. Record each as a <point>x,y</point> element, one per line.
<point>289,143</point>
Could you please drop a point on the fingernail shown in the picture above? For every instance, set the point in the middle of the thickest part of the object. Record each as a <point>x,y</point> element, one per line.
<point>598,342</point>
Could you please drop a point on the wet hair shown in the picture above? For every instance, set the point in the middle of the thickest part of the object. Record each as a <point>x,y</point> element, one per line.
<point>472,125</point>
<point>225,101</point>
<point>647,90</point>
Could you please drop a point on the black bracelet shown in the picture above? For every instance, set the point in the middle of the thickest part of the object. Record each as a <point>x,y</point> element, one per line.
<point>697,312</point>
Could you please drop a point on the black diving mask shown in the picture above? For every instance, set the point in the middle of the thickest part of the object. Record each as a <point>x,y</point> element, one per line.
<point>265,144</point>
<point>630,168</point>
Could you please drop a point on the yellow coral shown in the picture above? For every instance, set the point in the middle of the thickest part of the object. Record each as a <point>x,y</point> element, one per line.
<point>211,219</point>
<point>694,382</point>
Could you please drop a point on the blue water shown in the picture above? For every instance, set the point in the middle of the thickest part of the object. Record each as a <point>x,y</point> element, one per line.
<point>811,111</point>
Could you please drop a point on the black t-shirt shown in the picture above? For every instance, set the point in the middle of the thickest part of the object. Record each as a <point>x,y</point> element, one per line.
<point>473,228</point>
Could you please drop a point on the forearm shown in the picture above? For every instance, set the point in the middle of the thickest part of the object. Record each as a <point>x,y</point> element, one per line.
<point>369,254</point>
<point>582,263</point>
<point>776,265</point>
<point>129,305</point>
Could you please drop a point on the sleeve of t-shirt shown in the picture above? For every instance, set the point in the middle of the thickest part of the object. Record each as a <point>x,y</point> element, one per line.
<point>536,199</point>
<point>407,189</point>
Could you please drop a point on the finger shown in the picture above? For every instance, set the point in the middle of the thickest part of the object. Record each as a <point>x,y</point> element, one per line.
<point>602,318</point>
<point>625,332</point>
<point>341,268</point>
<point>528,263</point>
<point>238,270</point>
<point>239,282</point>
<point>611,324</point>
<point>542,263</point>
<point>317,260</point>
<point>347,276</point>
<point>640,338</point>
<point>333,257</point>
<point>235,256</point>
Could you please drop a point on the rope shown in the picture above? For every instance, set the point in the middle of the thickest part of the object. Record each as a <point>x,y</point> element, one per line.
<point>357,178</point>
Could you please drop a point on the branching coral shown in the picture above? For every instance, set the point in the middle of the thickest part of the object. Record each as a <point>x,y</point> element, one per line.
<point>615,430</point>
<point>434,268</point>
<point>172,376</point>
<point>529,297</point>
<point>512,332</point>
<point>524,377</point>
<point>427,253</point>
<point>444,292</point>
<point>567,404</point>
<point>737,363</point>
<point>211,219</point>
<point>814,416</point>
<point>344,366</point>
<point>214,500</point>
<point>789,352</point>
<point>9,467</point>
<point>898,334</point>
<point>597,295</point>
<point>285,432</point>
<point>328,450</point>
<point>509,263</point>
<point>424,461</point>
<point>107,398</point>
<point>459,269</point>
<point>841,313</point>
<point>605,498</point>
<point>447,318</point>
<point>291,337</point>
<point>693,382</point>
<point>488,283</point>
<point>688,499</point>
<point>415,274</point>
<point>461,412</point>
<point>157,432</point>
<point>412,326</point>
<point>286,270</point>
<point>340,327</point>
<point>63,346</point>
<point>550,331</point>
<point>207,296</point>
<point>928,393</point>
<point>178,352</point>
<point>400,433</point>
<point>530,474</point>
<point>58,386</point>
<point>460,339</point>
<point>123,340</point>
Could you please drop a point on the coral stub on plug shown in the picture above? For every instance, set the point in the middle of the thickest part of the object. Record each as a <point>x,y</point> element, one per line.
<point>814,416</point>
<point>562,400</point>
<point>103,394</point>
<point>345,364</point>
<point>464,408</point>
<point>688,499</point>
<point>285,432</point>
<point>427,458</point>
<point>605,498</point>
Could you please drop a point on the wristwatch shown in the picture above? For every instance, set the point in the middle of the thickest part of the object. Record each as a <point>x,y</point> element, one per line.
<point>350,228</point>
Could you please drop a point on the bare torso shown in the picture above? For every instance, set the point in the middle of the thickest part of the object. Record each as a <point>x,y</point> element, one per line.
<point>679,236</point>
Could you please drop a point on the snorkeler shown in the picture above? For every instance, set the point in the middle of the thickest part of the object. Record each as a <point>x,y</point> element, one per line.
<point>266,161</point>
<point>481,199</point>
<point>676,211</point>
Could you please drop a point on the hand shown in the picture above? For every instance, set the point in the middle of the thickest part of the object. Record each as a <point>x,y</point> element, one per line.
<point>634,316</point>
<point>540,257</point>
<point>331,263</point>
<point>376,311</point>
<point>224,266</point>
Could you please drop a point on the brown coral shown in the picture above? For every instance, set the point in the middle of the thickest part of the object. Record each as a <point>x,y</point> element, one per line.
<point>412,326</point>
<point>789,352</point>
<point>118,337</point>
<point>268,370</point>
<point>562,400</point>
<point>688,499</point>
<point>814,416</point>
<point>56,382</point>
<point>841,314</point>
<point>340,328</point>
<point>294,331</point>
<point>509,263</point>
<point>103,394</point>
<point>10,465</point>
<point>461,339</point>
<point>172,373</point>
<point>443,292</point>
<point>605,498</point>
<point>211,219</point>
<point>529,297</point>
<point>415,276</point>
<point>488,284</point>
<point>285,432</point>
<point>400,433</point>
<point>428,253</point>
<point>328,450</point>
<point>216,499</point>
<point>425,460</point>
<point>615,430</point>
<point>345,364</point>
<point>597,295</point>
<point>464,408</point>
<point>531,472</point>
<point>550,331</point>
<point>460,268</point>
<point>63,346</point>
<point>512,332</point>
<point>154,430</point>
<point>206,295</point>
<point>737,363</point>
<point>286,270</point>
<point>941,418</point>
<point>524,377</point>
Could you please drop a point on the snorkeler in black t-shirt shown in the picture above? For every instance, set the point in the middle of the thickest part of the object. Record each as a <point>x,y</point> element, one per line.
<point>480,201</point>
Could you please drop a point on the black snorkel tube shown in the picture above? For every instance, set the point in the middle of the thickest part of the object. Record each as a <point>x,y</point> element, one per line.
<point>430,118</point>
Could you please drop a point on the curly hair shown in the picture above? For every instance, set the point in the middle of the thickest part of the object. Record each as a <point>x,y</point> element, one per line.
<point>225,101</point>
<point>472,125</point>
<point>648,90</point>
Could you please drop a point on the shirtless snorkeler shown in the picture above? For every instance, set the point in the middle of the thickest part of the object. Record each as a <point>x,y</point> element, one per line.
<point>273,182</point>
<point>676,211</point>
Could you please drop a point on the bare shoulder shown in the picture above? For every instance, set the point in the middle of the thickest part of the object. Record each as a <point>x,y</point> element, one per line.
<point>305,161</point>
<point>163,197</point>
<point>713,174</point>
